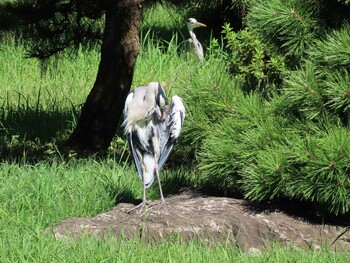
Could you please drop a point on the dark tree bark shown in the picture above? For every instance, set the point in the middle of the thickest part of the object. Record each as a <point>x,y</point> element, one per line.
<point>102,110</point>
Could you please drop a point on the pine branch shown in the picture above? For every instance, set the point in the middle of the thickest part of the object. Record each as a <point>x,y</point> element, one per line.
<point>290,26</point>
<point>51,27</point>
<point>334,50</point>
<point>304,92</point>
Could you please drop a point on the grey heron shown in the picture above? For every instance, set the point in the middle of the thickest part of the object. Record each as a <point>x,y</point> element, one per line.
<point>151,129</point>
<point>194,46</point>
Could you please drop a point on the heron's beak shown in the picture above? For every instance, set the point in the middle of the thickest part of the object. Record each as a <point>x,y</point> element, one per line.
<point>199,24</point>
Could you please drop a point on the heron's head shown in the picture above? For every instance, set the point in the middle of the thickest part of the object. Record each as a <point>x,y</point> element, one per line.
<point>193,23</point>
<point>159,93</point>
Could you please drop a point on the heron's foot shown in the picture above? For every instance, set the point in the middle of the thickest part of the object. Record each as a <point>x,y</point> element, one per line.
<point>142,207</point>
<point>160,205</point>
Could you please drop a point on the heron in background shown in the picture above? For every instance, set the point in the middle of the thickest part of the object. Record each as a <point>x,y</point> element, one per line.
<point>194,46</point>
<point>151,130</point>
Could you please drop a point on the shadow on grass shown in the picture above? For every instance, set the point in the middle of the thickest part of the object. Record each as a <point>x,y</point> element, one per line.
<point>312,212</point>
<point>32,124</point>
<point>122,195</point>
<point>301,210</point>
<point>176,179</point>
<point>33,134</point>
<point>173,182</point>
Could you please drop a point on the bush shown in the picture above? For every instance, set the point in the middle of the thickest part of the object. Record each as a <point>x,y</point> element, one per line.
<point>251,61</point>
<point>288,134</point>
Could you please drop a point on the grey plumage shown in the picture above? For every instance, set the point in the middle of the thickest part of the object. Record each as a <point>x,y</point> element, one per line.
<point>170,128</point>
<point>193,45</point>
<point>151,129</point>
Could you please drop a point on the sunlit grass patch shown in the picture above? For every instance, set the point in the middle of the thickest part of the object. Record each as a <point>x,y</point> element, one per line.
<point>163,16</point>
<point>38,107</point>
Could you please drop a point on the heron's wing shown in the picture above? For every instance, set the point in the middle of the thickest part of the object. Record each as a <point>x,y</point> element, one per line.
<point>165,153</point>
<point>165,141</point>
<point>135,150</point>
<point>161,97</point>
<point>199,50</point>
<point>187,47</point>
<point>131,137</point>
<point>128,100</point>
<point>170,128</point>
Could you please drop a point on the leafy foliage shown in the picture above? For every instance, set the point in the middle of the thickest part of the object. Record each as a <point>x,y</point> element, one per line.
<point>222,5</point>
<point>251,61</point>
<point>290,27</point>
<point>304,93</point>
<point>346,2</point>
<point>226,150</point>
<point>333,51</point>
<point>210,95</point>
<point>293,143</point>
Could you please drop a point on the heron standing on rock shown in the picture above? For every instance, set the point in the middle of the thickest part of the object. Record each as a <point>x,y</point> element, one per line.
<point>151,130</point>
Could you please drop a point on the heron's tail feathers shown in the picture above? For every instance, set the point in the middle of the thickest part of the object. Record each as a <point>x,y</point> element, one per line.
<point>149,169</point>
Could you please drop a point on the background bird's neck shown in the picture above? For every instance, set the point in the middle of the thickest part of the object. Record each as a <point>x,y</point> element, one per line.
<point>192,35</point>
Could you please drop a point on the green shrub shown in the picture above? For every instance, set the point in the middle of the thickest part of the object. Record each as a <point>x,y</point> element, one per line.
<point>226,150</point>
<point>295,144</point>
<point>289,27</point>
<point>251,61</point>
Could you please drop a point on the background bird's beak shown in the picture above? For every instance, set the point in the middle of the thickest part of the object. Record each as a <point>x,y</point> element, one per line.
<point>200,24</point>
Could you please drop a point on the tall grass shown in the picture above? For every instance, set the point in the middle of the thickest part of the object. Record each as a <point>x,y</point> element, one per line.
<point>164,16</point>
<point>34,197</point>
<point>37,108</point>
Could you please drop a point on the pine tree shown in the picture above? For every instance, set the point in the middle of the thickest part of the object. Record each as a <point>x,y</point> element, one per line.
<point>295,142</point>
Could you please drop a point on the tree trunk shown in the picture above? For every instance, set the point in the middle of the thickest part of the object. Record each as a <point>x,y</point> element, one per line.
<point>98,121</point>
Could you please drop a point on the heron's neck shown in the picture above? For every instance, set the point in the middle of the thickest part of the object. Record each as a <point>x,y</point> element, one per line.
<point>192,34</point>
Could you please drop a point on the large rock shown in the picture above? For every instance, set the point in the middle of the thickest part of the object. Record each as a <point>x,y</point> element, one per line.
<point>213,219</point>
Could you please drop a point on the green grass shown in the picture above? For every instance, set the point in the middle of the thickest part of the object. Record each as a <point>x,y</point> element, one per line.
<point>163,16</point>
<point>34,197</point>
<point>36,109</point>
<point>39,186</point>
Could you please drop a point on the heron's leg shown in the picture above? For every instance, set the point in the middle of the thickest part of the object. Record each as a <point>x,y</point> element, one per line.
<point>160,186</point>
<point>144,202</point>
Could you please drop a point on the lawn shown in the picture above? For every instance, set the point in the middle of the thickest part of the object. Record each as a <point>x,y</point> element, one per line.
<point>41,183</point>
